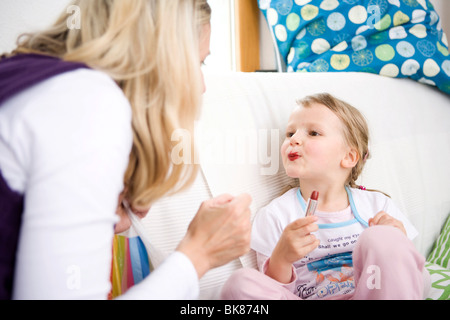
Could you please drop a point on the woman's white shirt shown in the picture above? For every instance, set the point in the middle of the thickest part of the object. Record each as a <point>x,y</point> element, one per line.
<point>65,143</point>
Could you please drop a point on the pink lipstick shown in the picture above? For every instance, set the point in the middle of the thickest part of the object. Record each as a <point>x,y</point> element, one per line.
<point>311,206</point>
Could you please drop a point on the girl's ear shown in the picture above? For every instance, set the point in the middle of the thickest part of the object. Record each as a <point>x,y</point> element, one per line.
<point>351,158</point>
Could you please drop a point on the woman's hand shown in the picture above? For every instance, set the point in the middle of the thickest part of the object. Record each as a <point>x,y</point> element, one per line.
<point>295,242</point>
<point>219,233</point>
<point>382,218</point>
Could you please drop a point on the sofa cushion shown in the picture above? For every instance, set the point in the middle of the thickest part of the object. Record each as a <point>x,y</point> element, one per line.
<point>440,282</point>
<point>441,252</point>
<point>394,38</point>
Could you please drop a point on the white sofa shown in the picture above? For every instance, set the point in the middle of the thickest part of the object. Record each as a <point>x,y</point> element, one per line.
<point>240,133</point>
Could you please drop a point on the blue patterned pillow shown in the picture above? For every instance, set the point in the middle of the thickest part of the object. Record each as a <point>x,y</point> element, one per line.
<point>395,38</point>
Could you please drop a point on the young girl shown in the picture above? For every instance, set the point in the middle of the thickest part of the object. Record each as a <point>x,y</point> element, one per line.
<point>356,245</point>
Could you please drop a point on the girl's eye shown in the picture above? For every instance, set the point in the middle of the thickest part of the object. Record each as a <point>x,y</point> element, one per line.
<point>289,134</point>
<point>314,133</point>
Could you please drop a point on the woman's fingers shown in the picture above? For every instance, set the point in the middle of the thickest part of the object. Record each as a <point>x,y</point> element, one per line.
<point>219,233</point>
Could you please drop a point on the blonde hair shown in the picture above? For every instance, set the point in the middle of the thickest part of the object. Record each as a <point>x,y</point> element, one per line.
<point>151,49</point>
<point>356,131</point>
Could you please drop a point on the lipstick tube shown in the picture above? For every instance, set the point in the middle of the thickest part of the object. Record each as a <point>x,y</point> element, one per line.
<point>311,206</point>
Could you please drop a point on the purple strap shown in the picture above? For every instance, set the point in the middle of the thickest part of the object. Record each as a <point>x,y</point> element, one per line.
<point>11,208</point>
<point>23,71</point>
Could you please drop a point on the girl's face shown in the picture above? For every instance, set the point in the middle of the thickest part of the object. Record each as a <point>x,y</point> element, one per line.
<point>314,146</point>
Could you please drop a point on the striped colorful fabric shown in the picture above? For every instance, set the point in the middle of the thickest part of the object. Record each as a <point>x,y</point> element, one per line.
<point>130,264</point>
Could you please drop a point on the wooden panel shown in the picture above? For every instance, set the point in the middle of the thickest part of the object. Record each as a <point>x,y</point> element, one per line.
<point>247,35</point>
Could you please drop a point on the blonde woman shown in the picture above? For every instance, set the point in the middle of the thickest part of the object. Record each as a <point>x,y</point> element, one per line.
<point>86,113</point>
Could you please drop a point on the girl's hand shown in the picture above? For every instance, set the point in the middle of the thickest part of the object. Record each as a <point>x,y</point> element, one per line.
<point>219,233</point>
<point>382,218</point>
<point>295,242</point>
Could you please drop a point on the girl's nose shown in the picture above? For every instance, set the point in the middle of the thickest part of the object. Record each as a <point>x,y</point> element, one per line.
<point>296,139</point>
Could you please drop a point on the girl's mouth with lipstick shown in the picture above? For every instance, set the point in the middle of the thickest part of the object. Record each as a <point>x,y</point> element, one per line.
<point>293,156</point>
